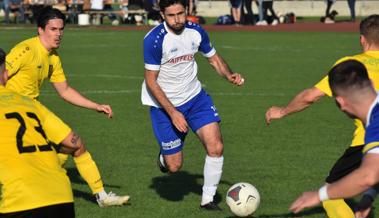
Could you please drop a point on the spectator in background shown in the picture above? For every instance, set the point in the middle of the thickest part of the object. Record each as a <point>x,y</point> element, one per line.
<point>236,11</point>
<point>153,12</point>
<point>329,18</point>
<point>351,4</point>
<point>248,17</point>
<point>4,4</point>
<point>267,5</point>
<point>261,21</point>
<point>15,6</point>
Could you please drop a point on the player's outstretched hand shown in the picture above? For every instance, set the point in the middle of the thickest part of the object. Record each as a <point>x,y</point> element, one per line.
<point>236,79</point>
<point>306,200</point>
<point>106,109</point>
<point>179,121</point>
<point>274,113</point>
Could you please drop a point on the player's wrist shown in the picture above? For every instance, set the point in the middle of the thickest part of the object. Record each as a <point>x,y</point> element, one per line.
<point>323,193</point>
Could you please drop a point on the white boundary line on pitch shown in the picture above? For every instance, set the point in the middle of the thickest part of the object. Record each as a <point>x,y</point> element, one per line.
<point>131,91</point>
<point>118,76</point>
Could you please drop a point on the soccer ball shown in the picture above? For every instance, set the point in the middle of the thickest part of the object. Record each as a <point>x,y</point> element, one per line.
<point>243,199</point>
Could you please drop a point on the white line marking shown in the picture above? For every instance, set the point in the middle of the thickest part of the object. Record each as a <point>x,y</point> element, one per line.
<point>106,76</point>
<point>134,91</point>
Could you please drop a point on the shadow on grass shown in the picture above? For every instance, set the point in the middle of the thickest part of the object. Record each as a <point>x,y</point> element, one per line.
<point>75,177</point>
<point>313,211</point>
<point>84,195</point>
<point>308,212</point>
<point>174,187</point>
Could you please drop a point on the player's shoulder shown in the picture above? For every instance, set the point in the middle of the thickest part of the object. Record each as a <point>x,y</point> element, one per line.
<point>194,26</point>
<point>357,57</point>
<point>156,33</point>
<point>25,47</point>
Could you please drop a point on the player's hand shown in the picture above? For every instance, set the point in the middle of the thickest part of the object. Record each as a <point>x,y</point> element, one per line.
<point>274,113</point>
<point>179,121</point>
<point>306,200</point>
<point>364,207</point>
<point>106,109</point>
<point>236,79</point>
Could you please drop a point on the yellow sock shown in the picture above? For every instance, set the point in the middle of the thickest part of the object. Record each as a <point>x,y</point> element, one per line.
<point>337,209</point>
<point>88,170</point>
<point>62,158</point>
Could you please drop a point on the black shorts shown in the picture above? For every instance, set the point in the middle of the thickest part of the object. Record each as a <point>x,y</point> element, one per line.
<point>348,162</point>
<point>65,210</point>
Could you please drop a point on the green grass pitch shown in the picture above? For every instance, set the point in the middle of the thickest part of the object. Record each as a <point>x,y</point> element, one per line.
<point>282,160</point>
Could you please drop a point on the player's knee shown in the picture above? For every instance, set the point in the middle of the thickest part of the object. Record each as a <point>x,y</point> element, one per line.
<point>174,167</point>
<point>216,150</point>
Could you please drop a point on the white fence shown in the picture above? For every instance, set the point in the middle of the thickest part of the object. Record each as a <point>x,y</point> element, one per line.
<point>300,8</point>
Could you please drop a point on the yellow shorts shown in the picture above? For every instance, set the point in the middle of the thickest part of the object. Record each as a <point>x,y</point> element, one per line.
<point>56,130</point>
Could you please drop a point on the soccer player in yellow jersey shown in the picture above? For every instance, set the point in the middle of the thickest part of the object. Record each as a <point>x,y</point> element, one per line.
<point>33,183</point>
<point>31,62</point>
<point>351,159</point>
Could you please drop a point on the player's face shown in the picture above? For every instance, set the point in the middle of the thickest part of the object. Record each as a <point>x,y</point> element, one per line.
<point>175,17</point>
<point>52,35</point>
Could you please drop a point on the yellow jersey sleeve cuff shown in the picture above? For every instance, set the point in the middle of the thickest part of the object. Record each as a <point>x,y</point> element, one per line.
<point>370,146</point>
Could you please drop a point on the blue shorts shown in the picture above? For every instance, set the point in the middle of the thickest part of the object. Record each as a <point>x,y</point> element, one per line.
<point>198,112</point>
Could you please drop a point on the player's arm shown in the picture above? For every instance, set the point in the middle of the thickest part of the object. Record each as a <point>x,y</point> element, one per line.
<point>300,102</point>
<point>361,179</point>
<point>74,97</point>
<point>177,118</point>
<point>223,69</point>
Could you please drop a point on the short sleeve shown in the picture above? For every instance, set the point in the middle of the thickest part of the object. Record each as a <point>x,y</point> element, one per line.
<point>56,74</point>
<point>323,85</point>
<point>206,46</point>
<point>152,53</point>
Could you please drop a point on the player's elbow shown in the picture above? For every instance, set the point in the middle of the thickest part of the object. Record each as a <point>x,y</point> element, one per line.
<point>311,95</point>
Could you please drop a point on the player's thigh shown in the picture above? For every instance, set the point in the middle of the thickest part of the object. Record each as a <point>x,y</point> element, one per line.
<point>170,140</point>
<point>210,136</point>
<point>203,118</point>
<point>56,130</point>
<point>65,210</point>
<point>348,162</point>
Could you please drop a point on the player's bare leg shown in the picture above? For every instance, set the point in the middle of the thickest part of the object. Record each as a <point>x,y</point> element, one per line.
<point>172,162</point>
<point>210,136</point>
<point>87,168</point>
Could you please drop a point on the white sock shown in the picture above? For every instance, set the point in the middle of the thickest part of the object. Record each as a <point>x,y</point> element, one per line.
<point>101,195</point>
<point>212,176</point>
<point>161,159</point>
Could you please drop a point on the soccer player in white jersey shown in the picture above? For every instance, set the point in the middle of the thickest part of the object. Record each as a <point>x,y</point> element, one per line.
<point>175,96</point>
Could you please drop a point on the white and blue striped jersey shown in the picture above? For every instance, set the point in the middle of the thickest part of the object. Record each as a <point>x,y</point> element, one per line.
<point>174,57</point>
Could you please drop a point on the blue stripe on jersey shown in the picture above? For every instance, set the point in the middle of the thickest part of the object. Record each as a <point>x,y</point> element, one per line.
<point>372,130</point>
<point>152,45</point>
<point>205,44</point>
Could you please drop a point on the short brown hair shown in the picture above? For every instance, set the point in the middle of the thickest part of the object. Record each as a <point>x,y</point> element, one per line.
<point>369,28</point>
